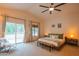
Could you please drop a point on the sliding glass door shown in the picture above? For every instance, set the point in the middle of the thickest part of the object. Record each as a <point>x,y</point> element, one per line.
<point>19,33</point>
<point>10,32</point>
<point>14,32</point>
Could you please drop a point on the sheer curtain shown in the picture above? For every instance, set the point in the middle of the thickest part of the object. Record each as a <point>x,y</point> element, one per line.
<point>25,31</point>
<point>3,25</point>
<point>28,31</point>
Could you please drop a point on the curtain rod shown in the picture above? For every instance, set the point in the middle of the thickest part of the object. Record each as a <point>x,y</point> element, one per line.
<point>15,17</point>
<point>12,17</point>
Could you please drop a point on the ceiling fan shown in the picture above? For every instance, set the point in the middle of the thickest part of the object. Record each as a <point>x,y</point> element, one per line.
<point>51,8</point>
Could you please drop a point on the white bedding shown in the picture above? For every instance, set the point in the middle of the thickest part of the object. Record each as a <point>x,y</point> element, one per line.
<point>54,42</point>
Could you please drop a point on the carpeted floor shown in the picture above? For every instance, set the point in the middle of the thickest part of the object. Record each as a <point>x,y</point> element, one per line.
<point>31,49</point>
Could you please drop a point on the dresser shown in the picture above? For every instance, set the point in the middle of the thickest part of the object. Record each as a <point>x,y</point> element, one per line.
<point>72,41</point>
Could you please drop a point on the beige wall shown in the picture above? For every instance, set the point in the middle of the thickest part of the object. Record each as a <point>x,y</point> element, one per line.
<point>23,15</point>
<point>68,17</point>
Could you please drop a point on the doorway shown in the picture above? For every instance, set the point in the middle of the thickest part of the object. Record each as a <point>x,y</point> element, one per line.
<point>35,31</point>
<point>14,32</point>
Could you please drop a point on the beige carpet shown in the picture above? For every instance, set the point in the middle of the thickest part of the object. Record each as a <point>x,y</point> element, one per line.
<point>31,49</point>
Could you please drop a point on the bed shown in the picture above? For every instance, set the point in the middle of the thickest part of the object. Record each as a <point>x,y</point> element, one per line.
<point>53,40</point>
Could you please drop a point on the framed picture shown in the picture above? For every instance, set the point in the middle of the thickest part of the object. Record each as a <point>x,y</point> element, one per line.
<point>53,25</point>
<point>59,25</point>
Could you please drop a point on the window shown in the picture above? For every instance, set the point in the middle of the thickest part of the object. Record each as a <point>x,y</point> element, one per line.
<point>35,30</point>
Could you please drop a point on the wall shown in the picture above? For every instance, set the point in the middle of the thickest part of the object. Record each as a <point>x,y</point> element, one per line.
<point>68,17</point>
<point>23,15</point>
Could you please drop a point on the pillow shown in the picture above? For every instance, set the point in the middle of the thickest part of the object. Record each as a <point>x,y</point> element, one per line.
<point>52,36</point>
<point>56,36</point>
<point>60,36</point>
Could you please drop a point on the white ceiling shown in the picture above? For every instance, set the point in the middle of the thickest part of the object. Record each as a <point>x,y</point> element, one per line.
<point>36,10</point>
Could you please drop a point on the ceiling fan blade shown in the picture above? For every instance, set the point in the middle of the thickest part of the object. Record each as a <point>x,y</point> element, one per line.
<point>57,9</point>
<point>50,12</point>
<point>44,6</point>
<point>59,5</point>
<point>44,10</point>
<point>52,3</point>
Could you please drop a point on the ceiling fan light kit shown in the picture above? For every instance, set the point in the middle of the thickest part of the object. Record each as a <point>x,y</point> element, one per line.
<point>52,8</point>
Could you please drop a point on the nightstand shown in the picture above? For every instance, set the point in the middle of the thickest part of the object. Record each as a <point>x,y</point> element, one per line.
<point>72,41</point>
<point>78,42</point>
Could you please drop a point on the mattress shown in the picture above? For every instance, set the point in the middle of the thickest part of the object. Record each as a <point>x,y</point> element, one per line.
<point>53,42</point>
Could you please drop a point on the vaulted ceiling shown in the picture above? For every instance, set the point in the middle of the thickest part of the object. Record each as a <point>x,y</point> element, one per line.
<point>36,10</point>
